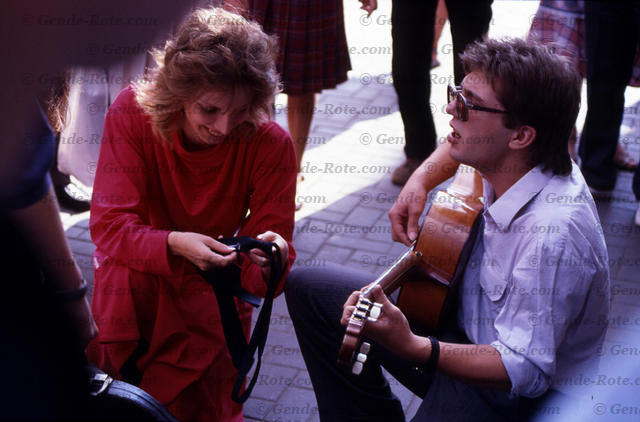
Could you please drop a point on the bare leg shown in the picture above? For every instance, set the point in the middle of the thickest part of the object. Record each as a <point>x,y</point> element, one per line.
<point>299,114</point>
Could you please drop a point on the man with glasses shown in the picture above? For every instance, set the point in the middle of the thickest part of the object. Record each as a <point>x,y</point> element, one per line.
<point>534,298</point>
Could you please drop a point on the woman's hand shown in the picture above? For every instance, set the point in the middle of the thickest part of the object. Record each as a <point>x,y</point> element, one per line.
<point>260,258</point>
<point>203,251</point>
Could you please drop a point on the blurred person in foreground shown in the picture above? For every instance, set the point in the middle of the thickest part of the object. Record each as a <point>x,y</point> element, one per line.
<point>46,321</point>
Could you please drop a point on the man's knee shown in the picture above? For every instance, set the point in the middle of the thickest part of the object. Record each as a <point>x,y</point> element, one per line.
<point>305,285</point>
<point>321,289</point>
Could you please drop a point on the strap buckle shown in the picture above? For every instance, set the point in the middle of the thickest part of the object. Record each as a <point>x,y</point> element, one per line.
<point>99,384</point>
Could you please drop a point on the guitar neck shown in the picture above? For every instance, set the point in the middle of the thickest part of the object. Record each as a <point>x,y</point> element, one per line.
<point>390,279</point>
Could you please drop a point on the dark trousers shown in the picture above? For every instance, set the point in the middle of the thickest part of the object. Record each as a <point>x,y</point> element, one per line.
<point>315,297</point>
<point>612,33</point>
<point>412,24</point>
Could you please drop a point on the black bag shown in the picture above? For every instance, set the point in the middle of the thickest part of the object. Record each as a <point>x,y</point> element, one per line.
<point>226,284</point>
<point>113,400</point>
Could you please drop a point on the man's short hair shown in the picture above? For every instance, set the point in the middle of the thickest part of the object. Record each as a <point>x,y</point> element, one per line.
<point>537,87</point>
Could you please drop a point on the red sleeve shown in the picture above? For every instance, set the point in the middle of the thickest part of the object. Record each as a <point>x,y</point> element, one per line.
<point>119,221</point>
<point>272,204</point>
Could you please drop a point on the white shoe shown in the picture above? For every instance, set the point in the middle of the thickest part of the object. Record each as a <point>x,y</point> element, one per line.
<point>638,216</point>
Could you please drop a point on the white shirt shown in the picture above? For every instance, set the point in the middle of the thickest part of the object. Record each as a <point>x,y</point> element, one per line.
<point>537,284</point>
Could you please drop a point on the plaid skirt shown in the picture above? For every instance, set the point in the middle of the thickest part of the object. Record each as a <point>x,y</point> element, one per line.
<point>313,44</point>
<point>560,25</point>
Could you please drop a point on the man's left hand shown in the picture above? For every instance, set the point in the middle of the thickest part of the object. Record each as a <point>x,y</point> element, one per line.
<point>391,330</point>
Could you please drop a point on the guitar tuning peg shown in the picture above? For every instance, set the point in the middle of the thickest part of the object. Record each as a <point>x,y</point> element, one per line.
<point>375,311</point>
<point>356,369</point>
<point>361,358</point>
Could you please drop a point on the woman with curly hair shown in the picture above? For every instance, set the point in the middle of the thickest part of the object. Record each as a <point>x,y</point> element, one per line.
<point>186,157</point>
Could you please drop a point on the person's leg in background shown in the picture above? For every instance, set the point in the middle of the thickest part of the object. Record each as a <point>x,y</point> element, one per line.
<point>299,115</point>
<point>300,109</point>
<point>469,22</point>
<point>611,37</point>
<point>441,19</point>
<point>412,32</point>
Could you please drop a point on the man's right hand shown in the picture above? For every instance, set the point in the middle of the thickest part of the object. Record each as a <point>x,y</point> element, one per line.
<point>203,251</point>
<point>405,213</point>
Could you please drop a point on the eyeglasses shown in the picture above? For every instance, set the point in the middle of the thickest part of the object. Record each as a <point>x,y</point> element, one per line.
<point>462,106</point>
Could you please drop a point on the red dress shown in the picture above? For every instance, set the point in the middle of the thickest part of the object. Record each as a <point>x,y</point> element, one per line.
<point>144,189</point>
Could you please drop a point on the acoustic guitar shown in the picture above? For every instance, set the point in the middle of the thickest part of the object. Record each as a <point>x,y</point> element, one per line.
<point>427,272</point>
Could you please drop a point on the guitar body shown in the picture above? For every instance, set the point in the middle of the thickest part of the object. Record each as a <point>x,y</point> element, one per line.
<point>422,300</point>
<point>427,273</point>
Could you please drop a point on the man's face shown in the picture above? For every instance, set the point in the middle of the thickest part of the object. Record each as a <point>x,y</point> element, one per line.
<point>482,140</point>
<point>212,115</point>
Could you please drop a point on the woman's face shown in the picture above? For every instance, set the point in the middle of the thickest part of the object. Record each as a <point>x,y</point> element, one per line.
<point>212,115</point>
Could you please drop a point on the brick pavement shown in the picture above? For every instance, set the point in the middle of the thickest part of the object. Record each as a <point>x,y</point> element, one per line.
<point>355,141</point>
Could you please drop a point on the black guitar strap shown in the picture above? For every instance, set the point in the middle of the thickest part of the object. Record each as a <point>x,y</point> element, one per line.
<point>226,284</point>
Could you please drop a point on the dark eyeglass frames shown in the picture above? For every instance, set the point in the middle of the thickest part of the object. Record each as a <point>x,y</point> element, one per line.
<point>462,106</point>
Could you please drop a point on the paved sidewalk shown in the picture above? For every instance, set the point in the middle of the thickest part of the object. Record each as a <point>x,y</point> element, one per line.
<point>355,142</point>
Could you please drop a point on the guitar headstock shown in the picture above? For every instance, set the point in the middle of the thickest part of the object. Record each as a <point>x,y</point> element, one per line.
<point>366,311</point>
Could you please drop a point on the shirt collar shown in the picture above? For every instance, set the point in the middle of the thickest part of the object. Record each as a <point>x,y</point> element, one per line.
<point>504,210</point>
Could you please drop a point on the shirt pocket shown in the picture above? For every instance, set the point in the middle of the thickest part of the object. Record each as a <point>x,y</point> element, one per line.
<point>493,282</point>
